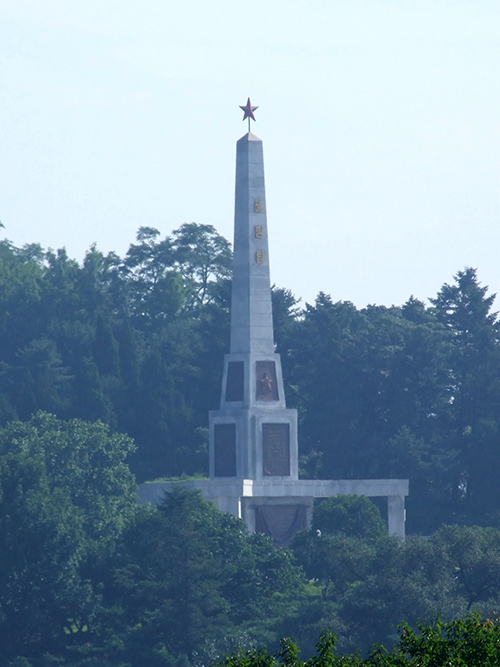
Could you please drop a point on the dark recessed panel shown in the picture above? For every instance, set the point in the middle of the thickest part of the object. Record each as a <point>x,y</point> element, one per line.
<point>276,449</point>
<point>225,450</point>
<point>281,522</point>
<point>234,382</point>
<point>266,384</point>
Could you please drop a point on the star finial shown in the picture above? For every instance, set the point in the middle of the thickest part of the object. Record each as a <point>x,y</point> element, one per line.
<point>248,110</point>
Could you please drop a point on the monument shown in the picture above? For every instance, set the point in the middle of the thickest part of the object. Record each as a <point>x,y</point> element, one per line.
<point>253,451</point>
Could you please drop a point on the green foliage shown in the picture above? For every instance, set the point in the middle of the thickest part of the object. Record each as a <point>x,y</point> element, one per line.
<point>410,391</point>
<point>204,259</point>
<point>352,516</point>
<point>136,342</point>
<point>88,577</point>
<point>369,586</point>
<point>468,642</point>
<point>288,656</point>
<point>187,580</point>
<point>404,391</point>
<point>86,461</point>
<point>65,497</point>
<point>473,555</point>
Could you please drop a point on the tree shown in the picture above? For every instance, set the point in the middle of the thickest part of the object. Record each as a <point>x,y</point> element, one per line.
<point>368,586</point>
<point>66,495</point>
<point>42,546</point>
<point>137,343</point>
<point>38,380</point>
<point>188,580</point>
<point>472,557</point>
<point>473,413</point>
<point>352,516</point>
<point>20,275</point>
<point>156,288</point>
<point>204,258</point>
<point>468,642</point>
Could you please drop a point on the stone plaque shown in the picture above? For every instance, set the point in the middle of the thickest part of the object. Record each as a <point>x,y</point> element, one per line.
<point>225,450</point>
<point>266,383</point>
<point>276,449</point>
<point>234,381</point>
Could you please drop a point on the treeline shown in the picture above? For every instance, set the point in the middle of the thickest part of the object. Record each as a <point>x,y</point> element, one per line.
<point>470,642</point>
<point>133,342</point>
<point>410,391</point>
<point>90,578</point>
<point>138,343</point>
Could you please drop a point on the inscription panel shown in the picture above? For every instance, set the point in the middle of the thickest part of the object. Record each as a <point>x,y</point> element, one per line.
<point>225,450</point>
<point>266,382</point>
<point>234,381</point>
<point>276,449</point>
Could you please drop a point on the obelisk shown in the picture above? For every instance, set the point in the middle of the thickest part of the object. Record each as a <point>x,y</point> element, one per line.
<point>253,456</point>
<point>253,436</point>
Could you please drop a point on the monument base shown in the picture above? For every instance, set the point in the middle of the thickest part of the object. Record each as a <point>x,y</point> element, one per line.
<point>254,500</point>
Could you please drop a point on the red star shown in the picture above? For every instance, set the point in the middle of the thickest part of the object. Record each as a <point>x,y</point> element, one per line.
<point>248,110</point>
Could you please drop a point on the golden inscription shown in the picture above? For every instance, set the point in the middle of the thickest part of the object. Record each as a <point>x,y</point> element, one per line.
<point>259,232</point>
<point>260,256</point>
<point>258,206</point>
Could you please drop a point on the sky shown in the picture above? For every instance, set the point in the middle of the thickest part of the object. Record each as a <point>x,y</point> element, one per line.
<point>380,121</point>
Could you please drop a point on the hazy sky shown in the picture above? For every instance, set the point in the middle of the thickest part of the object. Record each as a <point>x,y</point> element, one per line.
<point>380,121</point>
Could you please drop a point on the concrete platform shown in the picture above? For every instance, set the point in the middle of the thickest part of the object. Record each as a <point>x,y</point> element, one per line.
<point>231,495</point>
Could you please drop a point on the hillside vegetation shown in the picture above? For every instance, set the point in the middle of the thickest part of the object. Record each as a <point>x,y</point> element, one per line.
<point>107,371</point>
<point>138,343</point>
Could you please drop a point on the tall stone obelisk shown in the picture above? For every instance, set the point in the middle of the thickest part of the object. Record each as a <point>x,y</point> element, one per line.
<point>253,436</point>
